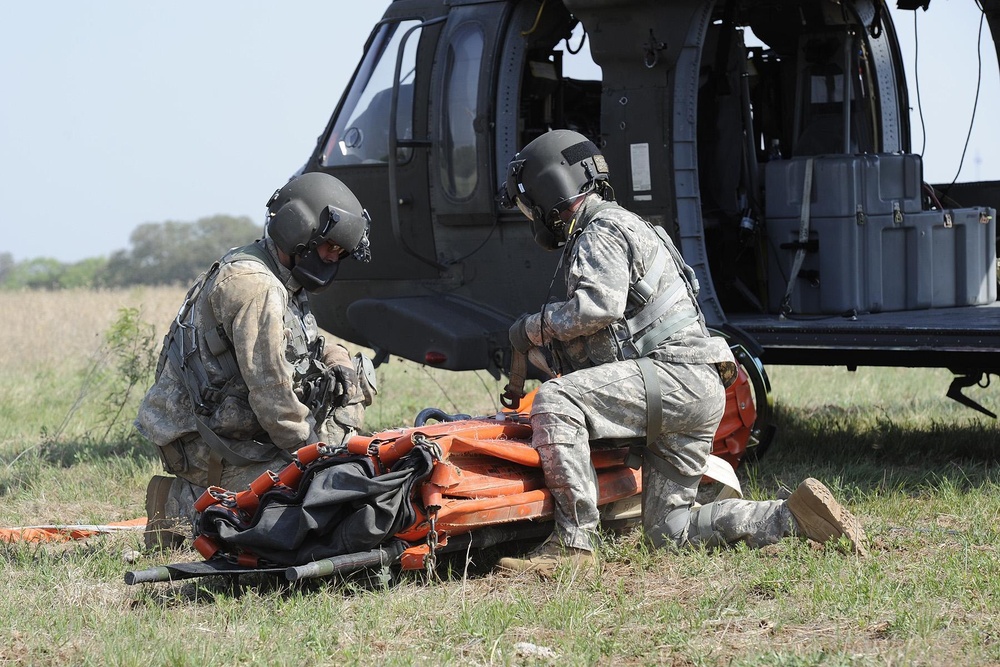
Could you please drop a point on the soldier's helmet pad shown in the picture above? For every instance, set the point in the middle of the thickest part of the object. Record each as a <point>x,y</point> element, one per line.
<point>313,209</point>
<point>547,175</point>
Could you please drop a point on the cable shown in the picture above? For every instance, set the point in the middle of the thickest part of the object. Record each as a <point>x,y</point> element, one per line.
<point>916,78</point>
<point>538,18</point>
<point>583,40</point>
<point>975,104</point>
<point>496,220</point>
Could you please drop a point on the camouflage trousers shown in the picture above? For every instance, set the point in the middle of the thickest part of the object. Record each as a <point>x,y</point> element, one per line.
<point>609,402</point>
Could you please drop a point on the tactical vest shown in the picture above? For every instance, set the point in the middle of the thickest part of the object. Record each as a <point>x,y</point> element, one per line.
<point>639,333</point>
<point>641,328</point>
<point>182,349</point>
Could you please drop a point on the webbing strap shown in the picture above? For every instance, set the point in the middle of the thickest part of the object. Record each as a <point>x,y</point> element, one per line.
<point>214,469</point>
<point>223,447</point>
<point>665,329</point>
<point>192,375</point>
<point>670,471</point>
<point>685,284</point>
<point>654,412</point>
<point>646,286</point>
<point>654,310</point>
<point>654,402</point>
<point>687,273</point>
<point>514,391</point>
<point>800,253</point>
<point>218,344</point>
<point>703,525</point>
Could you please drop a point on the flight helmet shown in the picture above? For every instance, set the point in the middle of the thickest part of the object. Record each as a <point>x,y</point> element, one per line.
<point>313,209</point>
<point>548,175</point>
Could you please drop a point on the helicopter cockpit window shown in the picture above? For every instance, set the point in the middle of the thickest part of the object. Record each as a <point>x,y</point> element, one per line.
<point>460,110</point>
<point>360,133</point>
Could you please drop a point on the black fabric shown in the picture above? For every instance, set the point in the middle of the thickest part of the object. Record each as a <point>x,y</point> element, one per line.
<point>340,507</point>
<point>580,152</point>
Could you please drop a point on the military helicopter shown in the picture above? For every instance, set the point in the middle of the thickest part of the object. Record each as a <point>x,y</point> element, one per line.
<point>781,165</point>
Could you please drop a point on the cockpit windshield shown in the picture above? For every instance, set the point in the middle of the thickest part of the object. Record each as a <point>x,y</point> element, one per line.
<point>360,133</point>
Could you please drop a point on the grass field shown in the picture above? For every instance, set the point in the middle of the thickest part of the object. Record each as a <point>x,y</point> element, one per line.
<point>920,470</point>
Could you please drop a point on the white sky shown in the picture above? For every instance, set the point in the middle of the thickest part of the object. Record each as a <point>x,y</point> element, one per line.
<point>116,113</point>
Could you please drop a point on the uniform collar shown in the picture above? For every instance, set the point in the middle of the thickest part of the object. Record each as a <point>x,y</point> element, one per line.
<point>591,206</point>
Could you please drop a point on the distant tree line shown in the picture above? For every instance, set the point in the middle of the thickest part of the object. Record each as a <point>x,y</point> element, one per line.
<point>160,253</point>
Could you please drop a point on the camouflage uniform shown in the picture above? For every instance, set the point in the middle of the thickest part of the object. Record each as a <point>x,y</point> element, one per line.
<point>601,396</point>
<point>260,414</point>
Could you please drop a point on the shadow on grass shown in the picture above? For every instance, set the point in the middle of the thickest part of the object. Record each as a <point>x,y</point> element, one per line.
<point>872,450</point>
<point>20,471</point>
<point>66,454</point>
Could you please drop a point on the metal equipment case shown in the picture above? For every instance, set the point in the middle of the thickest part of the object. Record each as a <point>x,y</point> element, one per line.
<point>869,245</point>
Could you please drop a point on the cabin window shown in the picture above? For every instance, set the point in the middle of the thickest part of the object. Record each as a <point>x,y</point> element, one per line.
<point>460,111</point>
<point>360,133</point>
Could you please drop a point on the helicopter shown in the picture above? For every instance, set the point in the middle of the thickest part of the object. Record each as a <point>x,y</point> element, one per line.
<point>770,138</point>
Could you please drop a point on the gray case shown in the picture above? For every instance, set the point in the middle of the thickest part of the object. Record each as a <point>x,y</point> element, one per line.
<point>871,248</point>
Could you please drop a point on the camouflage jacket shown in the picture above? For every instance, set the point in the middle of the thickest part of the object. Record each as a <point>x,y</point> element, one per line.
<point>275,342</point>
<point>614,250</point>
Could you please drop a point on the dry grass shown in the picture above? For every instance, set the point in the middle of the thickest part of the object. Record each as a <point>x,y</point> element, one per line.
<point>920,471</point>
<point>62,331</point>
<point>50,329</point>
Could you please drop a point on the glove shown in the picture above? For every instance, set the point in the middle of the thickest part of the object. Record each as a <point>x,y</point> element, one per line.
<point>345,379</point>
<point>518,335</point>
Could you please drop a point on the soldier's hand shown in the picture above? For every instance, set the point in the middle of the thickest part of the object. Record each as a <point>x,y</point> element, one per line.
<point>518,335</point>
<point>345,379</point>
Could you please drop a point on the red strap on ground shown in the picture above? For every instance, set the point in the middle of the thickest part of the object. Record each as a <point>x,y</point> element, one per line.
<point>64,533</point>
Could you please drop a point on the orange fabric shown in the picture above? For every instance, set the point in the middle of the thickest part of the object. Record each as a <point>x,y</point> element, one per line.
<point>65,533</point>
<point>486,473</point>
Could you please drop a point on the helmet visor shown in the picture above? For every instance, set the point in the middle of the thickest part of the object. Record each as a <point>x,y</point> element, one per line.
<point>524,209</point>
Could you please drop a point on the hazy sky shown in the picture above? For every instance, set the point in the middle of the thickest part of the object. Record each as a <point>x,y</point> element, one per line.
<point>114,112</point>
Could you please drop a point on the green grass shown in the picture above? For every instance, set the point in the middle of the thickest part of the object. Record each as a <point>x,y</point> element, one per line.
<point>920,470</point>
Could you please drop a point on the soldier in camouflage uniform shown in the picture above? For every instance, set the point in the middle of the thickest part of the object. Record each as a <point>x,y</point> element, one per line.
<point>244,377</point>
<point>634,360</point>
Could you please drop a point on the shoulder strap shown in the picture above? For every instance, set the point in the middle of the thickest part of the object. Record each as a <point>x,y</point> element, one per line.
<point>645,341</point>
<point>215,334</point>
<point>255,251</point>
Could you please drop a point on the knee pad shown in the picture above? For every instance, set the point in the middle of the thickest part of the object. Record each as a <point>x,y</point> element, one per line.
<point>701,530</point>
<point>675,526</point>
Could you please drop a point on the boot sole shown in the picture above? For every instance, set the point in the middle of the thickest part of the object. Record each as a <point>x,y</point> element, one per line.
<point>821,518</point>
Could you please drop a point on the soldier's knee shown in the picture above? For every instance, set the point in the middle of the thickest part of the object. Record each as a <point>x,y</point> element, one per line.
<point>684,526</point>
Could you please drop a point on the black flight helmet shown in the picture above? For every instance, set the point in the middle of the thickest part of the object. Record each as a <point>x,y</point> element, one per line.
<point>310,210</point>
<point>548,175</point>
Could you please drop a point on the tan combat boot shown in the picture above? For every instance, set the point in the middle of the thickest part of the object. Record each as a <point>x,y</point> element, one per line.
<point>158,534</point>
<point>821,518</point>
<point>548,558</point>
